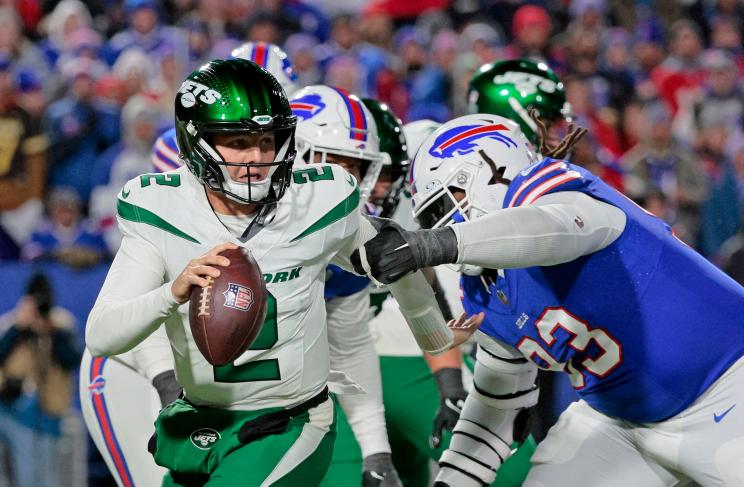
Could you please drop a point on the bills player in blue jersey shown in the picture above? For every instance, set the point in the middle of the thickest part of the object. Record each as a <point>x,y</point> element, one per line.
<point>574,277</point>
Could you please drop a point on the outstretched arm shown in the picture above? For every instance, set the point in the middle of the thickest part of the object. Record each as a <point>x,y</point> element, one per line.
<point>556,228</point>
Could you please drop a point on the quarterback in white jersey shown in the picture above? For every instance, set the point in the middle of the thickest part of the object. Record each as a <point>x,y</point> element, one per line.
<point>111,389</point>
<point>234,111</point>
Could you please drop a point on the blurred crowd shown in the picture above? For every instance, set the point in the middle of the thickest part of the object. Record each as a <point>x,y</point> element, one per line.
<point>85,88</point>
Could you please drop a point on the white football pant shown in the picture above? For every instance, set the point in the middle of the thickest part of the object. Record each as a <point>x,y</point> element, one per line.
<point>119,407</point>
<point>704,445</point>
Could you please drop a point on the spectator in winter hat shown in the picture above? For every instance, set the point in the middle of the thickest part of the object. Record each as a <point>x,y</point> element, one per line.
<point>135,69</point>
<point>23,54</point>
<point>481,39</point>
<point>531,30</point>
<point>615,67</point>
<point>74,128</point>
<point>649,45</point>
<point>681,70</point>
<point>723,97</point>
<point>144,31</point>
<point>61,24</point>
<point>662,163</point>
<point>65,236</point>
<point>30,95</point>
<point>726,34</point>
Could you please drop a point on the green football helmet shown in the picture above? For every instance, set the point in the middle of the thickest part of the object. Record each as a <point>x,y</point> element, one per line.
<point>235,95</point>
<point>511,88</point>
<point>394,148</point>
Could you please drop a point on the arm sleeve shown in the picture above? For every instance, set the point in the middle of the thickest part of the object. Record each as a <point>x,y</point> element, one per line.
<point>133,301</point>
<point>414,295</point>
<point>154,356</point>
<point>556,228</point>
<point>352,352</point>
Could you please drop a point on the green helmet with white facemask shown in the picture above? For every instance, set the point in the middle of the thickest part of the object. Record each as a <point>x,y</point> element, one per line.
<point>511,88</point>
<point>235,96</point>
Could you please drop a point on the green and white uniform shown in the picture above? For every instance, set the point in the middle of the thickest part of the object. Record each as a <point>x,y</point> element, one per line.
<point>167,221</point>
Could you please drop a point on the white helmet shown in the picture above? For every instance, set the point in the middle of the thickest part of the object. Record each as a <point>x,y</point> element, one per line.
<point>478,154</point>
<point>273,59</point>
<point>332,121</point>
<point>417,132</point>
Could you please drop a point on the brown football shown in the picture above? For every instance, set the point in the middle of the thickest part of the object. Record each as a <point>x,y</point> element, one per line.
<point>227,315</point>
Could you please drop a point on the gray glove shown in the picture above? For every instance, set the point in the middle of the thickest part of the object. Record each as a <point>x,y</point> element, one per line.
<point>395,252</point>
<point>378,471</point>
<point>452,398</point>
<point>168,388</point>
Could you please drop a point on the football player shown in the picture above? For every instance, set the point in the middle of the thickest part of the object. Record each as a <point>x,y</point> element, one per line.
<point>335,127</point>
<point>264,419</point>
<point>351,348</point>
<point>513,87</point>
<point>143,379</point>
<point>575,278</point>
<point>413,396</point>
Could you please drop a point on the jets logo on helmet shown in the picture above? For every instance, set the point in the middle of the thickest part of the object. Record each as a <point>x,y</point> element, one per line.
<point>511,88</point>
<point>307,106</point>
<point>526,83</point>
<point>463,140</point>
<point>191,92</point>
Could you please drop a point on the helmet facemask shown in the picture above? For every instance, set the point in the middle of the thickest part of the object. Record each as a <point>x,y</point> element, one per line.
<point>463,170</point>
<point>214,168</point>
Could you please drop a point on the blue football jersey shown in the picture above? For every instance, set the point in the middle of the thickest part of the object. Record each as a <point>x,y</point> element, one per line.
<point>643,327</point>
<point>341,283</point>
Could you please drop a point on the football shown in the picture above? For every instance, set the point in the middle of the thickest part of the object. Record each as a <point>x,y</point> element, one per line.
<point>226,315</point>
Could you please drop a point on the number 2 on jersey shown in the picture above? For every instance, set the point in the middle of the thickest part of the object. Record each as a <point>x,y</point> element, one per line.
<point>256,370</point>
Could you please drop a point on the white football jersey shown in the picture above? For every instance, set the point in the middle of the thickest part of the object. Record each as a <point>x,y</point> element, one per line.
<point>316,222</point>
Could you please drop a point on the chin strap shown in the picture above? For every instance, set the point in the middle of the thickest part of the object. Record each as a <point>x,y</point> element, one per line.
<point>265,215</point>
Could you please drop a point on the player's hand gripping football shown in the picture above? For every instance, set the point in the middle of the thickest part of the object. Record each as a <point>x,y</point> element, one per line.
<point>198,270</point>
<point>395,252</point>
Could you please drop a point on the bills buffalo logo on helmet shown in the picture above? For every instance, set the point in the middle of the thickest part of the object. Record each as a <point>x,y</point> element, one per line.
<point>238,297</point>
<point>97,385</point>
<point>462,140</point>
<point>307,106</point>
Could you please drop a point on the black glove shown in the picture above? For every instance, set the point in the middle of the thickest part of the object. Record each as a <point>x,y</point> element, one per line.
<point>395,252</point>
<point>378,471</point>
<point>168,388</point>
<point>452,399</point>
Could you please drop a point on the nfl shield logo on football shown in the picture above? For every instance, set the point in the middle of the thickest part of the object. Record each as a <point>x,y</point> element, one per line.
<point>238,297</point>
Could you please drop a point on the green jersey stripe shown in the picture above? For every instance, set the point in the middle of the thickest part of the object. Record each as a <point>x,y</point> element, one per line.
<point>351,203</point>
<point>135,213</point>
